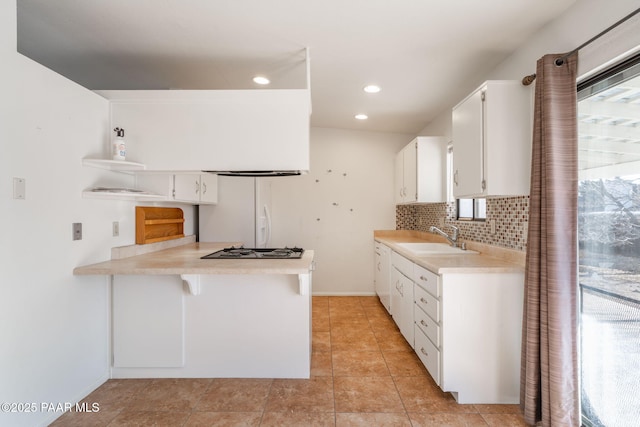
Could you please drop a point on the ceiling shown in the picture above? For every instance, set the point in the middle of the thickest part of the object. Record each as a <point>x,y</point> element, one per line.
<point>425,54</point>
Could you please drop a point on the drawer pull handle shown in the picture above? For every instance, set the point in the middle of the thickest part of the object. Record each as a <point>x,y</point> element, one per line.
<point>423,351</point>
<point>424,301</point>
<point>424,278</point>
<point>423,323</point>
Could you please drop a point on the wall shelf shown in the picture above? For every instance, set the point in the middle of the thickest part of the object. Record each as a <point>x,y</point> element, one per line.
<point>114,165</point>
<point>122,195</point>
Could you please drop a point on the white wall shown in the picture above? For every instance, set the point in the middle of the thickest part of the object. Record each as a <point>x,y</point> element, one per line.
<point>581,22</point>
<point>341,235</point>
<point>53,326</point>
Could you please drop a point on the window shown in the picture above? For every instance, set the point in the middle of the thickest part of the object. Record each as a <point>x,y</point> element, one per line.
<point>609,246</point>
<point>472,209</point>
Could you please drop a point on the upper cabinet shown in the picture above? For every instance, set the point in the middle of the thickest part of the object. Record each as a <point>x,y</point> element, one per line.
<point>420,171</point>
<point>492,131</point>
<point>214,130</point>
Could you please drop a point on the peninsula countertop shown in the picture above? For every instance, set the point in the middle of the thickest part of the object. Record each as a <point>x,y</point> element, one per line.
<point>185,259</point>
<point>490,259</point>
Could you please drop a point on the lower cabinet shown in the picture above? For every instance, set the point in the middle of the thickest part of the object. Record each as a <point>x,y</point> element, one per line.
<point>465,328</point>
<point>381,276</point>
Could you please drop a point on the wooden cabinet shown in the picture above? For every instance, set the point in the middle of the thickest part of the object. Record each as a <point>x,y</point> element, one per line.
<point>192,188</point>
<point>492,131</point>
<point>382,255</point>
<point>420,173</point>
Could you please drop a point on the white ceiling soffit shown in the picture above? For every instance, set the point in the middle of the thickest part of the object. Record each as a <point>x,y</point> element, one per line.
<point>425,54</point>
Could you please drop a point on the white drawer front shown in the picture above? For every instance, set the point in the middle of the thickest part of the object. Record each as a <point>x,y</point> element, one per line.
<point>402,264</point>
<point>426,279</point>
<point>429,326</point>
<point>428,354</point>
<point>427,302</point>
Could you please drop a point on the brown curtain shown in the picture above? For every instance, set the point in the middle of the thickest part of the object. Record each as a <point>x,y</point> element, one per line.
<point>549,392</point>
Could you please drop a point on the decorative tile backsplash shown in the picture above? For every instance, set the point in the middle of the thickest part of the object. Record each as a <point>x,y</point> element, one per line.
<point>510,214</point>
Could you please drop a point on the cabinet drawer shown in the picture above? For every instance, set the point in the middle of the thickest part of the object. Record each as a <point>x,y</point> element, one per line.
<point>429,326</point>
<point>429,355</point>
<point>427,302</point>
<point>426,279</point>
<point>402,264</point>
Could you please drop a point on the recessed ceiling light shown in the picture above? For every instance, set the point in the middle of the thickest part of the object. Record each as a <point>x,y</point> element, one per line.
<point>261,80</point>
<point>372,89</point>
<point>362,116</point>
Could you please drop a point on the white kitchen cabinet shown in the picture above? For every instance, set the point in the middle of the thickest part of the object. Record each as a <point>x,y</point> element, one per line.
<point>492,131</point>
<point>402,295</point>
<point>193,188</point>
<point>466,329</point>
<point>382,258</point>
<point>420,172</point>
<point>198,189</point>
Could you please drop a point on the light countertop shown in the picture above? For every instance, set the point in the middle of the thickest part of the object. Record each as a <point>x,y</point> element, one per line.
<point>490,259</point>
<point>185,259</point>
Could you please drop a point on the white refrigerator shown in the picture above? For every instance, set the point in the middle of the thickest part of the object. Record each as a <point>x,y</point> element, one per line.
<point>242,214</point>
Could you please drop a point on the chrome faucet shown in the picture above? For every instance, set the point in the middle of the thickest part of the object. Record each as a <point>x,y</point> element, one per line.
<point>453,239</point>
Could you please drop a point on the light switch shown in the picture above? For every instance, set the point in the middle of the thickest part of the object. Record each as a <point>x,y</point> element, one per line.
<point>19,188</point>
<point>492,225</point>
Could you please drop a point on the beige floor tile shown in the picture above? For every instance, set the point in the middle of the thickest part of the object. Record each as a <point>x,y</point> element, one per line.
<point>315,419</point>
<point>447,420</point>
<point>321,364</point>
<point>353,340</point>
<point>383,324</point>
<point>419,393</point>
<point>505,420</point>
<point>366,394</point>
<point>171,394</point>
<point>499,409</point>
<point>236,395</point>
<point>313,395</point>
<point>391,340</point>
<point>321,341</point>
<point>359,364</point>
<point>117,391</point>
<point>320,323</point>
<point>404,363</point>
<point>363,419</point>
<point>105,414</point>
<point>150,418</point>
<point>224,419</point>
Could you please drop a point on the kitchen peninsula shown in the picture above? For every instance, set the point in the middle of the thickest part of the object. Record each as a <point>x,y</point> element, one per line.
<point>177,315</point>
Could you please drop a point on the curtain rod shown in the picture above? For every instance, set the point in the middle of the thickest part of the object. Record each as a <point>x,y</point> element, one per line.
<point>527,80</point>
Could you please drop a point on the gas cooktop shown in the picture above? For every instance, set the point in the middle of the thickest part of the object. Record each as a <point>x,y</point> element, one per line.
<point>255,253</point>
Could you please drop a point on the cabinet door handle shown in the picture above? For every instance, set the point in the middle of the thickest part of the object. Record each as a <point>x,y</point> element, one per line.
<point>455,177</point>
<point>204,188</point>
<point>423,323</point>
<point>379,267</point>
<point>197,187</point>
<point>424,301</point>
<point>424,278</point>
<point>423,351</point>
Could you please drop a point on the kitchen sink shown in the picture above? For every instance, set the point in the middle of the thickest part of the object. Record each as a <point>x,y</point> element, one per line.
<point>421,249</point>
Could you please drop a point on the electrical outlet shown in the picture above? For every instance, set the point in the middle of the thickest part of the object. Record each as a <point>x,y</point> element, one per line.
<point>116,228</point>
<point>77,231</point>
<point>441,222</point>
<point>19,188</point>
<point>492,225</point>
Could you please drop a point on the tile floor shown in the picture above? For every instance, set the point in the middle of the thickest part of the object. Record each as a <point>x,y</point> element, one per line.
<point>363,373</point>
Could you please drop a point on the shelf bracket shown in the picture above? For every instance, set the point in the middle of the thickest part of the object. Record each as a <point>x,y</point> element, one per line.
<point>193,282</point>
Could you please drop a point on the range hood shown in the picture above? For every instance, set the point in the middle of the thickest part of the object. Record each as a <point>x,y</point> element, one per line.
<point>258,173</point>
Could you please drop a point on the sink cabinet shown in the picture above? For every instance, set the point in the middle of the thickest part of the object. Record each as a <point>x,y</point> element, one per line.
<point>420,172</point>
<point>466,328</point>
<point>492,131</point>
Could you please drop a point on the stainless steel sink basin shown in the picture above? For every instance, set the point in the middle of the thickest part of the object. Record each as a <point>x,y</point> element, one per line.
<point>422,249</point>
